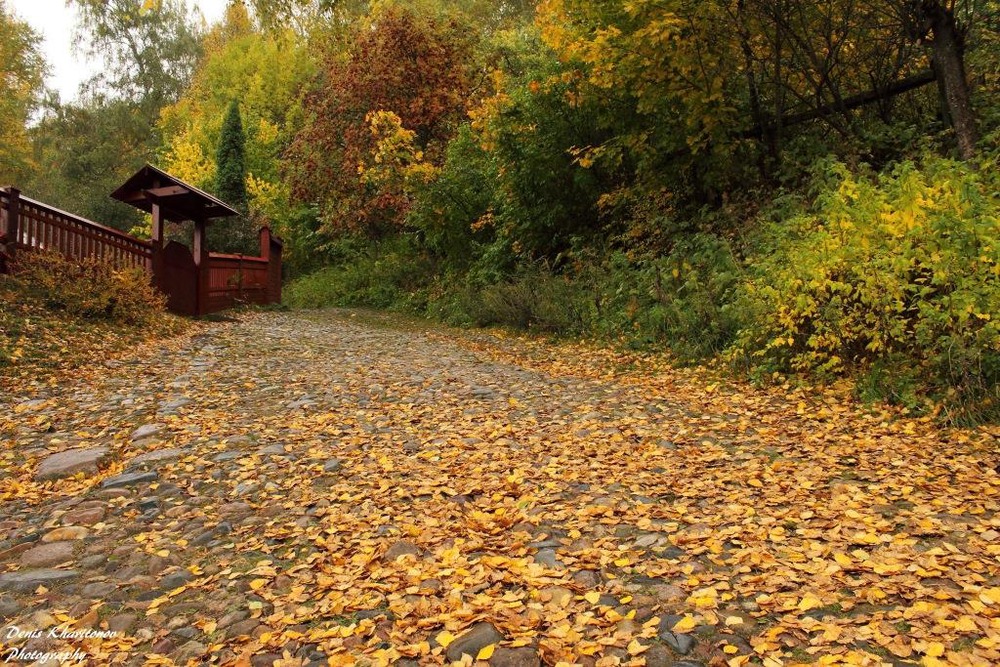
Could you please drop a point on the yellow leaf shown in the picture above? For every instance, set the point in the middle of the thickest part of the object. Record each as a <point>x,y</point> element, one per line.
<point>686,624</point>
<point>486,652</point>
<point>843,560</point>
<point>809,601</point>
<point>934,649</point>
<point>162,553</point>
<point>635,648</point>
<point>444,638</point>
<point>592,597</point>
<point>733,620</point>
<point>990,596</point>
<point>966,624</point>
<point>258,584</point>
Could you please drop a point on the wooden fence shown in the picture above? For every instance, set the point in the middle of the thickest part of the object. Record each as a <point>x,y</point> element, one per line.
<point>238,279</point>
<point>222,282</point>
<point>31,225</point>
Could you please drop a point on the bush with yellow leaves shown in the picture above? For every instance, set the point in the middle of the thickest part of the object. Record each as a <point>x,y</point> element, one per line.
<point>896,275</point>
<point>90,289</point>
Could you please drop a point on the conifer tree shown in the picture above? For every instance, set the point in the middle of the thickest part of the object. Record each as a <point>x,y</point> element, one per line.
<point>230,160</point>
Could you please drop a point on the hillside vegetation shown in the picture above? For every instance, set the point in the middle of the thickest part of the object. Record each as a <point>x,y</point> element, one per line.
<point>802,191</point>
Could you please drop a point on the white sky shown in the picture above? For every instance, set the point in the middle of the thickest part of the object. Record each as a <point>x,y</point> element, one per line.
<point>56,22</point>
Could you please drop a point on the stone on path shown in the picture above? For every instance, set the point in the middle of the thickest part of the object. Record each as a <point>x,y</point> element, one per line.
<point>478,637</point>
<point>8,608</point>
<point>26,581</point>
<point>70,462</point>
<point>401,548</point>
<point>66,533</point>
<point>128,479</point>
<point>516,657</point>
<point>175,580</point>
<point>147,431</point>
<point>122,622</point>
<point>659,656</point>
<point>83,516</point>
<point>587,578</point>
<point>45,555</point>
<point>547,557</point>
<point>158,455</point>
<point>98,590</point>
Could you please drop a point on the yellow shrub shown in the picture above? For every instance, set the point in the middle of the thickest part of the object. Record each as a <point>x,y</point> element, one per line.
<point>902,267</point>
<point>91,289</point>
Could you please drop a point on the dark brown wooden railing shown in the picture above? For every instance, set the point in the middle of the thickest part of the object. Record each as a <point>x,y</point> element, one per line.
<point>219,282</point>
<point>31,225</point>
<point>235,279</point>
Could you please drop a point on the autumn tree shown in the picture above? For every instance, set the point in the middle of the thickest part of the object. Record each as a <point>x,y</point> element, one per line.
<point>22,71</point>
<point>396,61</point>
<point>91,145</point>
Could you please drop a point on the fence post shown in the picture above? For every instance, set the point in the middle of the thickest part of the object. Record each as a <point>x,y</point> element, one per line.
<point>274,269</point>
<point>13,215</point>
<point>265,242</point>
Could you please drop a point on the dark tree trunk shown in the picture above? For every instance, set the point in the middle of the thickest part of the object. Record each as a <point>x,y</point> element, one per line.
<point>949,61</point>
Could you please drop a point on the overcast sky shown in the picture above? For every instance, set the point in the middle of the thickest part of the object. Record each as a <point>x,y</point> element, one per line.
<point>56,22</point>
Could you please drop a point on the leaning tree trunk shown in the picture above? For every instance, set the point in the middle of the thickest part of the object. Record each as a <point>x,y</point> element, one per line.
<point>946,42</point>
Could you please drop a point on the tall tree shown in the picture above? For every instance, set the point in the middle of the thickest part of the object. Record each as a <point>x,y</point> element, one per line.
<point>413,66</point>
<point>89,148</point>
<point>151,48</point>
<point>230,160</point>
<point>943,25</point>
<point>22,72</point>
<point>232,234</point>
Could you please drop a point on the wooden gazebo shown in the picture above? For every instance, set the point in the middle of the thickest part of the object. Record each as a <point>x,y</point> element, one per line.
<point>196,281</point>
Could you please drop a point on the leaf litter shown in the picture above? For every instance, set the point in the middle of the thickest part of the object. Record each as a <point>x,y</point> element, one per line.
<point>329,488</point>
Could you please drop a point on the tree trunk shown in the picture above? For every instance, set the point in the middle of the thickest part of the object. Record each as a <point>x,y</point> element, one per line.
<point>946,42</point>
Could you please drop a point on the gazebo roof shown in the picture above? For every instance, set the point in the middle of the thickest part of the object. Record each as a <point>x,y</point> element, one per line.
<point>178,200</point>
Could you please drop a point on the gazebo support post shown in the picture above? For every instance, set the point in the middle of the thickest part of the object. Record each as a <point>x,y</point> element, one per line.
<point>200,261</point>
<point>156,236</point>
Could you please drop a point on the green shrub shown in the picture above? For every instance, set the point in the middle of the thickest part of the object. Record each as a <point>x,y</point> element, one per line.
<point>392,274</point>
<point>90,289</point>
<point>535,299</point>
<point>902,267</point>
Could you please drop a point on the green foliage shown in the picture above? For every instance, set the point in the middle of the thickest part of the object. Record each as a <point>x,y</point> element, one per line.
<point>900,267</point>
<point>391,274</point>
<point>230,160</point>
<point>684,300</point>
<point>451,210</point>
<point>546,195</point>
<point>266,72</point>
<point>89,149</point>
<point>151,49</point>
<point>533,299</point>
<point>91,289</point>
<point>232,234</point>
